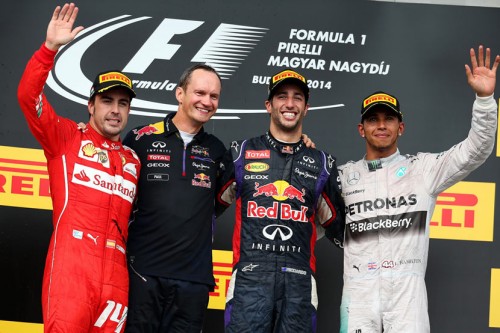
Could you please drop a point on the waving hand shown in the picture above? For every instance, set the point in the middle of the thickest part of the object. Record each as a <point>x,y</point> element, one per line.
<point>60,30</point>
<point>481,78</point>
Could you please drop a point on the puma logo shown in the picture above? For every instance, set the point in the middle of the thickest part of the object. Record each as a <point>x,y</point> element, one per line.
<point>93,238</point>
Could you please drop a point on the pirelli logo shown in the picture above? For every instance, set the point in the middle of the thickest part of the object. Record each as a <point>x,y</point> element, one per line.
<point>287,74</point>
<point>495,298</point>
<point>24,180</point>
<point>114,76</point>
<point>222,264</point>
<point>377,98</point>
<point>465,211</point>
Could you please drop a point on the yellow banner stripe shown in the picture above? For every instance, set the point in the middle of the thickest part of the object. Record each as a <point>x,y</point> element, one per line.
<point>498,136</point>
<point>18,327</point>
<point>495,298</point>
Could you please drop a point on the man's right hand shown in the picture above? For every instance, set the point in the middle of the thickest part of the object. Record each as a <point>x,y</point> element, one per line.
<point>481,77</point>
<point>60,30</point>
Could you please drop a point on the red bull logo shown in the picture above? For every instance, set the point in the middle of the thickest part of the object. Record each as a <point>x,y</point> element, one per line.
<point>280,190</point>
<point>201,180</point>
<point>146,130</point>
<point>199,150</point>
<point>201,177</point>
<point>291,192</point>
<point>282,210</point>
<point>267,190</point>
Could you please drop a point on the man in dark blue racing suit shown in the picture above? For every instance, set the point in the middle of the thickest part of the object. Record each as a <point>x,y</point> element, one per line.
<point>286,196</point>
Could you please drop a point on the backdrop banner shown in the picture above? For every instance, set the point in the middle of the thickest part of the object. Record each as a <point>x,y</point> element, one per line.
<point>346,49</point>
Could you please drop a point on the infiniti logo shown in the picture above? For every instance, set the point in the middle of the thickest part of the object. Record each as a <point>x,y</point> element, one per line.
<point>272,230</point>
<point>159,144</point>
<point>308,159</point>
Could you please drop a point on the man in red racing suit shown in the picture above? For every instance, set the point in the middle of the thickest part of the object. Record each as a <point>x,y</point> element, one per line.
<point>93,184</point>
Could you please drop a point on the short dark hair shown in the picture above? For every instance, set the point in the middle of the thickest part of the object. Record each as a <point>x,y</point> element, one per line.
<point>186,76</point>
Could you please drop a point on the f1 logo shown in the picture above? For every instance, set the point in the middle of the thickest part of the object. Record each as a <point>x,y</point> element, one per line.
<point>157,46</point>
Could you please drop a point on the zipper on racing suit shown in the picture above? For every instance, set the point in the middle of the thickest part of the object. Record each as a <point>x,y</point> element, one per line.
<point>136,272</point>
<point>184,161</point>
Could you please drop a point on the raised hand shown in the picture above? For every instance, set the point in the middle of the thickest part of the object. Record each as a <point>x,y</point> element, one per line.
<point>60,30</point>
<point>481,78</point>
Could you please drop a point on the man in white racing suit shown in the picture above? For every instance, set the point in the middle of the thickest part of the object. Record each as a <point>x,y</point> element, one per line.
<point>389,201</point>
